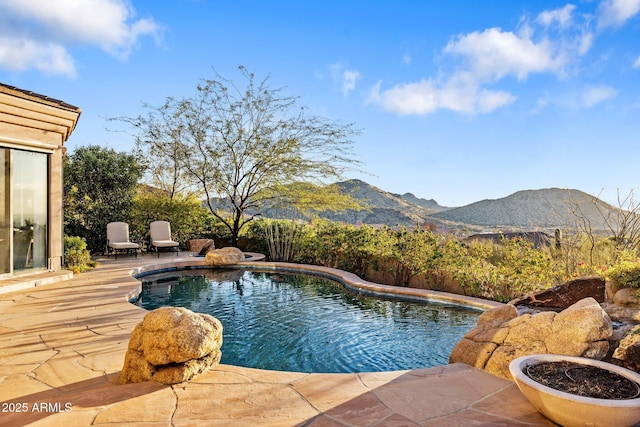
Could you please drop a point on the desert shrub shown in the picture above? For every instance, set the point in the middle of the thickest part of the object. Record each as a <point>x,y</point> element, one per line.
<point>579,256</point>
<point>327,243</point>
<point>521,269</point>
<point>412,252</point>
<point>499,271</point>
<point>466,263</point>
<point>255,234</point>
<point>76,256</point>
<point>343,246</point>
<point>188,218</point>
<point>279,238</point>
<point>625,273</point>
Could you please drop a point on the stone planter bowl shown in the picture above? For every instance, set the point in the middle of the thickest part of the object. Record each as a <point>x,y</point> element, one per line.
<point>572,410</point>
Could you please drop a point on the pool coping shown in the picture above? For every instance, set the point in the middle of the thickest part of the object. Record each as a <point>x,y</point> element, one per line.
<point>349,280</point>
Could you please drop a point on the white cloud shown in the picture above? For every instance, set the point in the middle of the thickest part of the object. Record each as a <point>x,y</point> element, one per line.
<point>584,42</point>
<point>485,58</point>
<point>614,13</point>
<point>596,94</point>
<point>479,61</point>
<point>489,100</point>
<point>52,27</point>
<point>426,97</point>
<point>493,54</point>
<point>21,54</point>
<point>345,77</point>
<point>562,17</point>
<point>406,59</point>
<point>349,79</point>
<point>636,63</point>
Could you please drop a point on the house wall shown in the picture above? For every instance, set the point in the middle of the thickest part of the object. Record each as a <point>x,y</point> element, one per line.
<point>33,122</point>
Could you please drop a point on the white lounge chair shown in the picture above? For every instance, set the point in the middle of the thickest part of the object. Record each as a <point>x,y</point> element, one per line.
<point>160,232</point>
<point>118,239</point>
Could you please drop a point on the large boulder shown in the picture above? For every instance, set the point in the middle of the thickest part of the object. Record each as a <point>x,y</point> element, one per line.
<point>202,246</point>
<point>581,330</point>
<point>477,346</point>
<point>224,256</point>
<point>627,297</point>
<point>172,345</point>
<point>566,294</point>
<point>628,352</point>
<point>502,335</point>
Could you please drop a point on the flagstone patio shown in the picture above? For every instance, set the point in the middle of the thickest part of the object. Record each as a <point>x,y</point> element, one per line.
<point>63,346</point>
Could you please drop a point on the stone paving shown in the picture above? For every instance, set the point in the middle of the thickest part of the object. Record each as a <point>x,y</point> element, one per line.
<point>63,345</point>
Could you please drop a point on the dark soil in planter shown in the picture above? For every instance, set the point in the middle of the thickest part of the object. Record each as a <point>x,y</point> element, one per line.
<point>583,380</point>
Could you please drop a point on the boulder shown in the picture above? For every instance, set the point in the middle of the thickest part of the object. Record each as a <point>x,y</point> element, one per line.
<point>618,313</point>
<point>581,330</point>
<point>502,335</point>
<point>627,297</point>
<point>224,256</point>
<point>628,352</point>
<point>172,345</point>
<point>202,246</point>
<point>566,294</point>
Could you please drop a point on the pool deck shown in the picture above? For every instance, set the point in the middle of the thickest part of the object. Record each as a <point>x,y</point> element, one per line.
<point>63,345</point>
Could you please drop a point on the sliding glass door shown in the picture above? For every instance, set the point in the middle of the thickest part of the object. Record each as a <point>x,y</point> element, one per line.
<point>29,210</point>
<point>5,212</point>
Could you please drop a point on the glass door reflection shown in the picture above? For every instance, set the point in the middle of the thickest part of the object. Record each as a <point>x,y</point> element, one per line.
<point>5,212</point>
<point>29,210</point>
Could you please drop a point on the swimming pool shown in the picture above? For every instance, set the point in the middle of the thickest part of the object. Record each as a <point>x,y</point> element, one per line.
<point>304,323</point>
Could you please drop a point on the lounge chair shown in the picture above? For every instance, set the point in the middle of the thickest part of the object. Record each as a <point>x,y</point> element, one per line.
<point>160,232</point>
<point>118,239</point>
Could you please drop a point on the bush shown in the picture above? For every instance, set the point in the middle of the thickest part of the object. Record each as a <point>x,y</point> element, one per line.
<point>76,256</point>
<point>278,238</point>
<point>344,246</point>
<point>188,218</point>
<point>625,274</point>
<point>499,271</point>
<point>99,186</point>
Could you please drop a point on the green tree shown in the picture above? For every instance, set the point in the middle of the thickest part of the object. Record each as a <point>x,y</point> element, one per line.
<point>249,149</point>
<point>163,152</point>
<point>99,186</point>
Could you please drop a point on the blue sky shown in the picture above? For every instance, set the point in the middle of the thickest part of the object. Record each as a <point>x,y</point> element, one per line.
<point>458,101</point>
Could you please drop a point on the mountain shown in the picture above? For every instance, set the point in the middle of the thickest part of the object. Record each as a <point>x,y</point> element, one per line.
<point>428,204</point>
<point>530,209</point>
<point>383,207</point>
<point>527,210</point>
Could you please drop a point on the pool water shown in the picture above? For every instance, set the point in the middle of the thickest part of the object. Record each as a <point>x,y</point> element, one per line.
<point>302,323</point>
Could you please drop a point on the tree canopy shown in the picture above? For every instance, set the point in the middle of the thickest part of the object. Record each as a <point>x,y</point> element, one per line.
<point>247,149</point>
<point>99,187</point>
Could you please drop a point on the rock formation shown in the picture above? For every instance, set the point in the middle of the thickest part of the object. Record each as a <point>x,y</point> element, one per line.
<point>501,335</point>
<point>627,297</point>
<point>628,352</point>
<point>172,345</point>
<point>202,246</point>
<point>566,294</point>
<point>224,256</point>
<point>625,311</point>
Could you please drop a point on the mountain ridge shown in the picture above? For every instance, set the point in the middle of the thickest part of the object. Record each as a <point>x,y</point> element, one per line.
<point>525,210</point>
<point>531,209</point>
